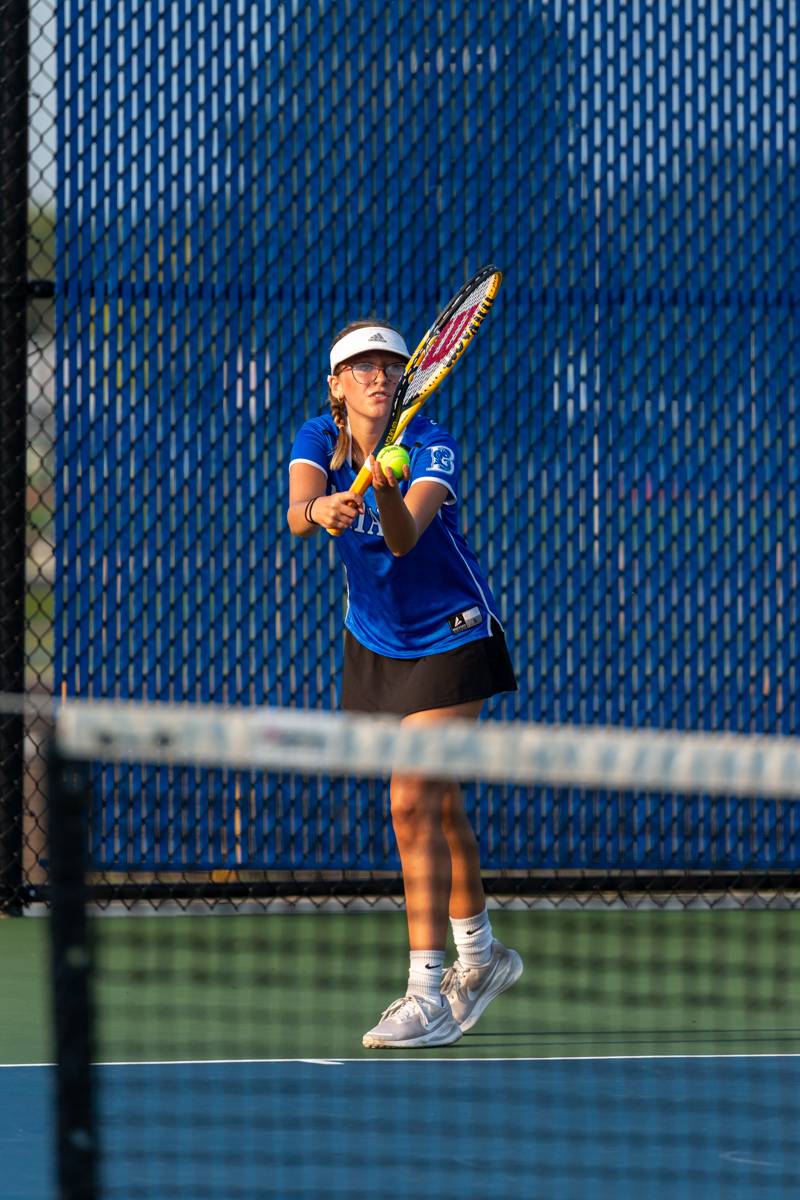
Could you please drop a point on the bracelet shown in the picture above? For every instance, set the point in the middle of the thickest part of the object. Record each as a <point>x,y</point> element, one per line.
<point>309,507</point>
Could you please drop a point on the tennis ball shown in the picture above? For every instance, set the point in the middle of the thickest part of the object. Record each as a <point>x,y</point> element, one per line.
<point>394,458</point>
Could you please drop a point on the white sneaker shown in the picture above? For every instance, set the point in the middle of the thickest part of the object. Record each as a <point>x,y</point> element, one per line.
<point>413,1021</point>
<point>471,989</point>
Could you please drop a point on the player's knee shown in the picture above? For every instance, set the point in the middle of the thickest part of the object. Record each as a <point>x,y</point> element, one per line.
<point>413,808</point>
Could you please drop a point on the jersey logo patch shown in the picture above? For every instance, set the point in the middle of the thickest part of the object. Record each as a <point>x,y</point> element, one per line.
<point>461,622</point>
<point>443,460</point>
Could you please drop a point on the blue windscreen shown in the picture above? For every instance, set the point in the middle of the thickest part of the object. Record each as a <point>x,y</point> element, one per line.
<point>237,181</point>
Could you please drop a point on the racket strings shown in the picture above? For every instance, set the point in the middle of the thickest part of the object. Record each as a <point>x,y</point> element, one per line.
<point>438,354</point>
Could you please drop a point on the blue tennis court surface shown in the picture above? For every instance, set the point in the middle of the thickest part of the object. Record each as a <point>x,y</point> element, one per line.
<point>27,1130</point>
<point>659,1128</point>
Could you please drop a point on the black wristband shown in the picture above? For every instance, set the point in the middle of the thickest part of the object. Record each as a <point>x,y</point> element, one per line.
<point>309,507</point>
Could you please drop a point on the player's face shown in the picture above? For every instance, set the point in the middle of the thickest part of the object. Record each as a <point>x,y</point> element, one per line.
<point>367,383</point>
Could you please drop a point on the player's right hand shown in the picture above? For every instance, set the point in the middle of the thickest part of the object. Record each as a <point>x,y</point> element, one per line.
<point>338,511</point>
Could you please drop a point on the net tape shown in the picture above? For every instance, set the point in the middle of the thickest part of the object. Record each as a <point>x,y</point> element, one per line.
<point>326,743</point>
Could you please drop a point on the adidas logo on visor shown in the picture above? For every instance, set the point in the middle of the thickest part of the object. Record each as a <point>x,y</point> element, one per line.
<point>377,337</point>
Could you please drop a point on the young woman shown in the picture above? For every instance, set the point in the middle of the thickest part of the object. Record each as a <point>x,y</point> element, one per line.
<point>423,641</point>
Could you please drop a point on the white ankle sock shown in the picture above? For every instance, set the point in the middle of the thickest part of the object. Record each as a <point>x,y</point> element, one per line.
<point>425,974</point>
<point>473,938</point>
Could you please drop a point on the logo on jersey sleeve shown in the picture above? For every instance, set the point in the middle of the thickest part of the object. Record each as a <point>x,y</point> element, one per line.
<point>442,460</point>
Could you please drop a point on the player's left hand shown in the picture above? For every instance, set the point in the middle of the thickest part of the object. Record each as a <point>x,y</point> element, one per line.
<point>383,480</point>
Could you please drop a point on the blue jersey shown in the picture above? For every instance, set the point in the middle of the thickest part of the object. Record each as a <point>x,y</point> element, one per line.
<point>432,599</point>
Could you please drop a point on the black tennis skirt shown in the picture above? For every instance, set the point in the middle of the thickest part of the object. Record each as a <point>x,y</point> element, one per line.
<point>374,683</point>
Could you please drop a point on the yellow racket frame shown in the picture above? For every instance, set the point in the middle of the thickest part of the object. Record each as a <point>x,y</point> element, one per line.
<point>364,477</point>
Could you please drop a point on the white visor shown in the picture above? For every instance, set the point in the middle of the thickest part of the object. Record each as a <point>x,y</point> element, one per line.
<point>361,341</point>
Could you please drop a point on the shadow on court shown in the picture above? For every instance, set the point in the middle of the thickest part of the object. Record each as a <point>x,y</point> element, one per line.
<point>631,1041</point>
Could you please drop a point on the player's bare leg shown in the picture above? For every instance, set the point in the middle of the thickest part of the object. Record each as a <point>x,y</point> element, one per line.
<point>467,896</point>
<point>484,968</point>
<point>438,850</point>
<point>423,1016</point>
<point>441,875</point>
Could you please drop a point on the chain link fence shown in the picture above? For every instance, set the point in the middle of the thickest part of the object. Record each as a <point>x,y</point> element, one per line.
<point>237,182</point>
<point>27,430</point>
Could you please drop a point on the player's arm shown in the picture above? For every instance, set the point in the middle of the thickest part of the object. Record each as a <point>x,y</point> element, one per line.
<point>310,509</point>
<point>405,520</point>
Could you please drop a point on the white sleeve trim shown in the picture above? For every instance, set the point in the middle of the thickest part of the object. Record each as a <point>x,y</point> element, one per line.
<point>310,462</point>
<point>436,479</point>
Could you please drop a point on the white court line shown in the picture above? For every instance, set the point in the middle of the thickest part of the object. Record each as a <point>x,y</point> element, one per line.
<point>392,1058</point>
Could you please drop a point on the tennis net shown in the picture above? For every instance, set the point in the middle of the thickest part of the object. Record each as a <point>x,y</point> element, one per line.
<point>650,1047</point>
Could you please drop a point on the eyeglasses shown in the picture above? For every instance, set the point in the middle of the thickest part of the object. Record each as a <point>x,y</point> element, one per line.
<point>366,372</point>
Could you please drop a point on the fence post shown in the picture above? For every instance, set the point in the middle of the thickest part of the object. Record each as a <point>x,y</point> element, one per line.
<point>71,974</point>
<point>14,47</point>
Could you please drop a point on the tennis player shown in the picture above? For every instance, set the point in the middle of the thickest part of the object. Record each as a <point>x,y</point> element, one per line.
<point>422,640</point>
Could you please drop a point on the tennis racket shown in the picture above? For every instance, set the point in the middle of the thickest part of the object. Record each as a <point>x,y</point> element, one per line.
<point>434,358</point>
